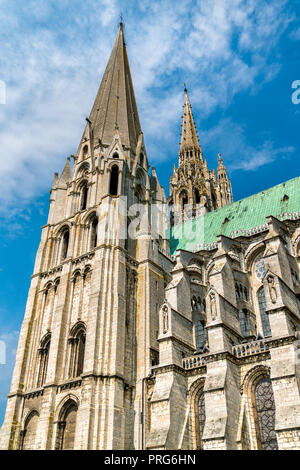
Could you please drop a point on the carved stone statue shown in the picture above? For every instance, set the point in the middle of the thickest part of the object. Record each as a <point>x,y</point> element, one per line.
<point>272,289</point>
<point>165,319</point>
<point>213,306</point>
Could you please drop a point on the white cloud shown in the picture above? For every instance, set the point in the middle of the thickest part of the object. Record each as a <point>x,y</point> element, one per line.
<point>54,61</point>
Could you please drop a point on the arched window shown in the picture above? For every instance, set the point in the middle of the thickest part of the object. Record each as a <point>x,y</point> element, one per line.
<point>114,181</point>
<point>265,409</point>
<point>184,199</point>
<point>200,335</point>
<point>85,151</point>
<point>263,314</point>
<point>115,155</point>
<point>139,194</point>
<point>65,244</point>
<point>197,196</point>
<point>29,433</point>
<point>141,159</point>
<point>94,233</point>
<point>67,426</point>
<point>43,361</point>
<point>245,322</point>
<point>198,416</point>
<point>83,169</point>
<point>77,350</point>
<point>84,196</point>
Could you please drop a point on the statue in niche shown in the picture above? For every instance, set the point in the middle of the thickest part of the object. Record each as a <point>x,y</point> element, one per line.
<point>213,307</point>
<point>165,319</point>
<point>272,289</point>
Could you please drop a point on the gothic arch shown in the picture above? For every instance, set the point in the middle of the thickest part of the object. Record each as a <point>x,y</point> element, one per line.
<point>255,376</point>
<point>62,243</point>
<point>47,286</point>
<point>140,177</point>
<point>84,151</point>
<point>295,242</point>
<point>45,339</point>
<point>183,198</point>
<point>66,423</point>
<point>114,179</point>
<point>196,405</point>
<point>28,433</point>
<point>43,353</point>
<point>80,325</point>
<point>252,253</point>
<point>209,269</point>
<point>83,190</point>
<point>63,401</point>
<point>83,169</point>
<point>87,269</point>
<point>252,376</point>
<point>139,194</point>
<point>62,226</point>
<point>90,236</point>
<point>77,341</point>
<point>75,274</point>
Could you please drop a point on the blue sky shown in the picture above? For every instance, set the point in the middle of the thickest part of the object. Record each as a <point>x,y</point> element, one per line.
<point>238,58</point>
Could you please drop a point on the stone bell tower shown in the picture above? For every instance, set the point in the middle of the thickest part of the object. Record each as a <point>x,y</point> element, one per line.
<point>86,343</point>
<point>194,189</point>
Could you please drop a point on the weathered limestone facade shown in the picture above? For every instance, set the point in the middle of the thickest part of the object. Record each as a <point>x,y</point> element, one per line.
<point>126,346</point>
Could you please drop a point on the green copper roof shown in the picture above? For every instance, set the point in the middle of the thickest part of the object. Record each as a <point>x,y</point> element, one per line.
<point>242,215</point>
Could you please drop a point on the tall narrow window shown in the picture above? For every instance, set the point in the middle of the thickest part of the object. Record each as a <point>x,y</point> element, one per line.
<point>199,417</point>
<point>114,181</point>
<point>84,197</point>
<point>263,314</point>
<point>245,322</point>
<point>85,151</point>
<point>200,335</point>
<point>77,350</point>
<point>265,408</point>
<point>94,234</point>
<point>43,361</point>
<point>184,199</point>
<point>80,353</point>
<point>65,244</point>
<point>202,417</point>
<point>197,196</point>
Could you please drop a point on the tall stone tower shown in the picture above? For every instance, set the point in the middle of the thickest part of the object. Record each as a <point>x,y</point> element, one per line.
<point>193,187</point>
<point>86,342</point>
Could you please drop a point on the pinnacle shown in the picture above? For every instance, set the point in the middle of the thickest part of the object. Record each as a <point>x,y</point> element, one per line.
<point>189,138</point>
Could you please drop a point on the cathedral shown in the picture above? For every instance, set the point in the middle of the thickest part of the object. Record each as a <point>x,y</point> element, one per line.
<point>154,322</point>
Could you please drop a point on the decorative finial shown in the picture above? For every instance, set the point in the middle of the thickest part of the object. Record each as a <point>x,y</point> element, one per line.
<point>121,19</point>
<point>185,89</point>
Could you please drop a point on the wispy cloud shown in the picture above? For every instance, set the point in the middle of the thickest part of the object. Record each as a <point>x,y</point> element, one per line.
<point>295,34</point>
<point>53,63</point>
<point>231,138</point>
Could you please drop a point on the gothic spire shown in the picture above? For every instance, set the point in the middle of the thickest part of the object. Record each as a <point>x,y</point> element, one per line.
<point>189,138</point>
<point>115,105</point>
